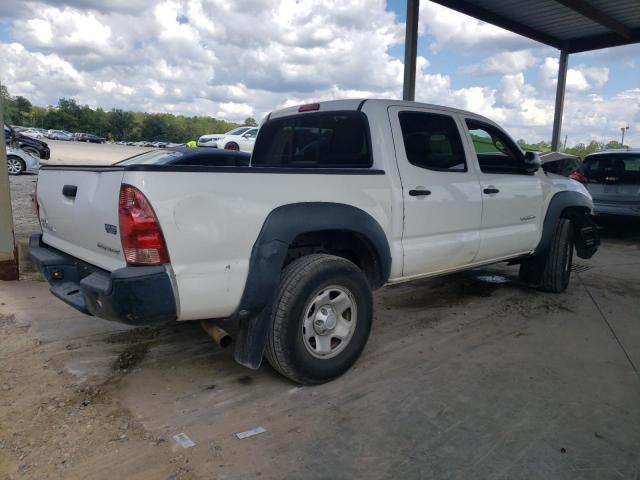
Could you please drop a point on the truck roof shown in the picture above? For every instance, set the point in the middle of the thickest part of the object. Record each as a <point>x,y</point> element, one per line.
<point>357,103</point>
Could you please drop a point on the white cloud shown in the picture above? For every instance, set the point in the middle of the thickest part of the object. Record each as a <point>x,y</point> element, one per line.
<point>503,63</point>
<point>248,57</point>
<point>578,78</point>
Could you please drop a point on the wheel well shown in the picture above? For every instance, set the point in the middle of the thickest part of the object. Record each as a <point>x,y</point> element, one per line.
<point>341,243</point>
<point>585,232</point>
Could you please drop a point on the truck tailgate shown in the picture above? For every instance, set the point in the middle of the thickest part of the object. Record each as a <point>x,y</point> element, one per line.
<point>79,213</point>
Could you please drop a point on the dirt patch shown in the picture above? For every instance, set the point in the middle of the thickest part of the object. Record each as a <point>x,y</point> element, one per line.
<point>53,428</point>
<point>137,343</point>
<point>445,291</point>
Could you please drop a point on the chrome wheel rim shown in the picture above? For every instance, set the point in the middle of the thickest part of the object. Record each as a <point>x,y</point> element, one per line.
<point>329,322</point>
<point>14,166</point>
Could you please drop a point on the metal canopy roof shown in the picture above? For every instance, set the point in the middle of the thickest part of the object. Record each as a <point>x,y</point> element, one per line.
<point>569,25</point>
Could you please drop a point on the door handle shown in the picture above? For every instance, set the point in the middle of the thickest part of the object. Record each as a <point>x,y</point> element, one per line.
<point>419,193</point>
<point>491,190</point>
<point>70,191</point>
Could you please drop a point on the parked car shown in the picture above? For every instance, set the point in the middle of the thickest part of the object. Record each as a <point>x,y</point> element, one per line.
<point>32,133</point>
<point>190,157</point>
<point>60,135</point>
<point>90,138</point>
<point>31,145</point>
<point>243,142</point>
<point>612,177</point>
<point>19,161</point>
<point>291,247</point>
<point>211,140</point>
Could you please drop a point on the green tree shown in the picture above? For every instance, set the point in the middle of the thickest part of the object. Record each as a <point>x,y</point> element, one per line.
<point>119,124</point>
<point>250,121</point>
<point>22,111</point>
<point>8,105</point>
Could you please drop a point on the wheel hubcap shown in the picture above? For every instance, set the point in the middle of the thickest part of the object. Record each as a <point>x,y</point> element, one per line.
<point>329,322</point>
<point>13,165</point>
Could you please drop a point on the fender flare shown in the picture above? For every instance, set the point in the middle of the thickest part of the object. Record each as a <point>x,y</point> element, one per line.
<point>284,224</point>
<point>267,259</point>
<point>559,202</point>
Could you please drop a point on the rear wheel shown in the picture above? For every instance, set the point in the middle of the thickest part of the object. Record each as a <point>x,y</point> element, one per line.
<point>15,165</point>
<point>551,272</point>
<point>321,319</point>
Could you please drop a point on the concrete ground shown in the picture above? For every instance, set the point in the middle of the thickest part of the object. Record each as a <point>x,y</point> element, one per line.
<point>465,376</point>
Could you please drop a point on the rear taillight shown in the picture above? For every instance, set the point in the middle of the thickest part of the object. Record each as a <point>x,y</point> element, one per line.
<point>309,107</point>
<point>578,176</point>
<point>142,239</point>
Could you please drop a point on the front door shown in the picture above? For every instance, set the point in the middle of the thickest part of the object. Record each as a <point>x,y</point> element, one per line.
<point>441,193</point>
<point>511,198</point>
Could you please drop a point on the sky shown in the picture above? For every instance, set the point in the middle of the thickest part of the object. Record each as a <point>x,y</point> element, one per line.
<point>241,58</point>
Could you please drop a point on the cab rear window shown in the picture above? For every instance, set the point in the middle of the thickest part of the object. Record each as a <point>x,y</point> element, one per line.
<point>314,140</point>
<point>615,168</point>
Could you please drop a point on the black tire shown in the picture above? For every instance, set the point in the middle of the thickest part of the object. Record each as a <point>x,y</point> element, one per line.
<point>15,165</point>
<point>232,146</point>
<point>551,272</point>
<point>302,281</point>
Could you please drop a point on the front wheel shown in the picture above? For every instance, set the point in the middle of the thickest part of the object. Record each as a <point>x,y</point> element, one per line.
<point>551,271</point>
<point>321,319</point>
<point>232,146</point>
<point>15,165</point>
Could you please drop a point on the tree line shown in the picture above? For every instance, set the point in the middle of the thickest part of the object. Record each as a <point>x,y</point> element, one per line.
<point>115,124</point>
<point>118,124</point>
<point>579,150</point>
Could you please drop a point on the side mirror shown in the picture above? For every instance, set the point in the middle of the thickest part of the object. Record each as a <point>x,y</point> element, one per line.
<point>532,162</point>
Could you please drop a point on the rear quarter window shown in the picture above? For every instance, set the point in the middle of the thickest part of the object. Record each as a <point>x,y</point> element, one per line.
<point>314,140</point>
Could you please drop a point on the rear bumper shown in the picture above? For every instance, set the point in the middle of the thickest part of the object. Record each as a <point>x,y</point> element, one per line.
<point>131,295</point>
<point>619,209</point>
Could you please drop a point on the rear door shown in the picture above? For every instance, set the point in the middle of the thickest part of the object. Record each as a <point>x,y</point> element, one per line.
<point>441,194</point>
<point>511,198</point>
<point>79,213</point>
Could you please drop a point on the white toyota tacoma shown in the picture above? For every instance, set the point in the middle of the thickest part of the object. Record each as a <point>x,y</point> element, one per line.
<point>340,198</point>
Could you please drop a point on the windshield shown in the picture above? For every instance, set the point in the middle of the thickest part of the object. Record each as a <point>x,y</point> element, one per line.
<point>238,131</point>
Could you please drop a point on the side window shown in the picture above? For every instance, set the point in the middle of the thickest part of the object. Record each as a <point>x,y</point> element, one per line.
<point>317,140</point>
<point>432,141</point>
<point>252,133</point>
<point>496,152</point>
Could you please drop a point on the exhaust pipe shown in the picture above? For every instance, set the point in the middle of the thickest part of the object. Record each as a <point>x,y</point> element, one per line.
<point>219,336</point>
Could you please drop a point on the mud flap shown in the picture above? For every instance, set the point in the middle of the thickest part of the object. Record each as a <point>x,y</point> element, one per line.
<point>585,234</point>
<point>251,339</point>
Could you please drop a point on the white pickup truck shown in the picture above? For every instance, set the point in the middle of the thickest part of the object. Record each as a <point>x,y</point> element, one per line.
<point>340,198</point>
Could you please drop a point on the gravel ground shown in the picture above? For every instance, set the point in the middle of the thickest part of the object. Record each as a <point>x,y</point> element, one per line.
<point>25,221</point>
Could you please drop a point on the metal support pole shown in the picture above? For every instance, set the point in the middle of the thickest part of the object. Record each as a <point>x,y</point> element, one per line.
<point>8,251</point>
<point>562,83</point>
<point>411,50</point>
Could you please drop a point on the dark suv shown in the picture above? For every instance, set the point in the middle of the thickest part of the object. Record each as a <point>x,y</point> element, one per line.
<point>89,137</point>
<point>613,180</point>
<point>33,146</point>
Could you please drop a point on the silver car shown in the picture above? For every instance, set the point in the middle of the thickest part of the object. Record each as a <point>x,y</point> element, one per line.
<point>613,179</point>
<point>19,161</point>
